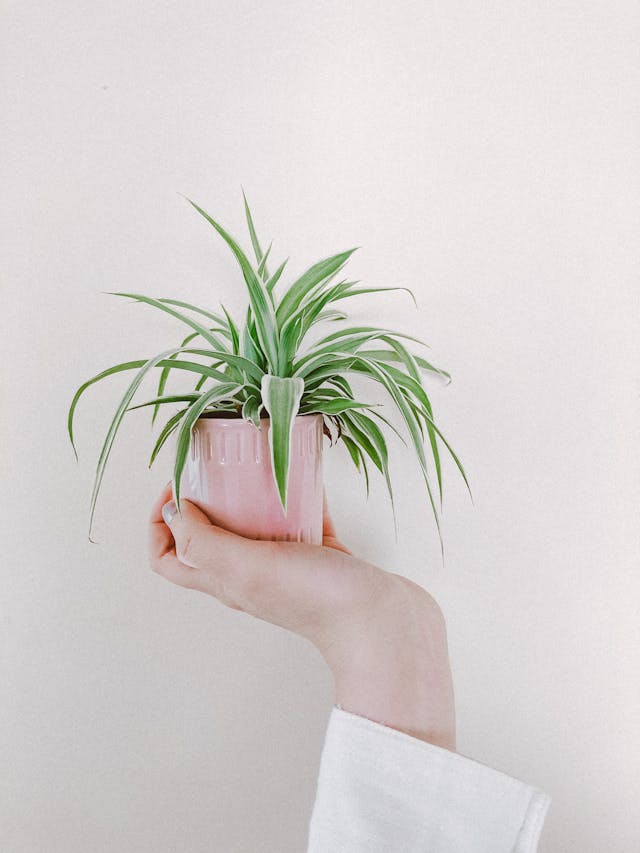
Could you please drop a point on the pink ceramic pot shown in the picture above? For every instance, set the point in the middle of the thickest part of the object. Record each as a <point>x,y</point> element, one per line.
<point>228,475</point>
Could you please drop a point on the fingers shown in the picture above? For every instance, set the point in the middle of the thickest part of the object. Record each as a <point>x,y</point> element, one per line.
<point>191,531</point>
<point>162,546</point>
<point>187,549</point>
<point>159,536</point>
<point>156,511</point>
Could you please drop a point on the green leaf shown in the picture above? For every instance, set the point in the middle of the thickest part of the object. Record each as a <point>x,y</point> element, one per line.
<point>428,416</point>
<point>162,306</point>
<point>215,317</point>
<point>259,296</point>
<point>388,356</point>
<point>375,332</point>
<point>250,344</point>
<point>314,276</point>
<point>330,316</point>
<point>118,368</point>
<point>354,450</point>
<point>404,355</point>
<point>310,309</point>
<point>183,440</point>
<point>332,407</point>
<point>360,290</point>
<point>251,410</point>
<point>363,442</point>
<point>328,370</point>
<point>271,282</point>
<point>336,349</point>
<point>166,371</point>
<point>388,423</point>
<point>363,425</point>
<point>342,384</point>
<point>426,412</point>
<point>115,423</point>
<point>165,432</point>
<point>380,374</point>
<point>178,364</point>
<point>252,232</point>
<point>262,266</point>
<point>358,457</point>
<point>414,372</point>
<point>227,358</point>
<point>235,337</point>
<point>374,434</point>
<point>164,375</point>
<point>431,432</point>
<point>281,398</point>
<point>326,393</point>
<point>289,337</point>
<point>173,398</point>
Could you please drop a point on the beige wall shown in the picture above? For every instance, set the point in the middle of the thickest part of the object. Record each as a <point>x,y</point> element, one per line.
<point>484,154</point>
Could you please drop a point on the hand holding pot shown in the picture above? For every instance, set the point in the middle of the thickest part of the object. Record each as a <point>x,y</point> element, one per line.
<point>383,636</point>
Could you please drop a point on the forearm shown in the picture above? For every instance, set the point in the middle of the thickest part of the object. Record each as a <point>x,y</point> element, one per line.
<point>392,666</point>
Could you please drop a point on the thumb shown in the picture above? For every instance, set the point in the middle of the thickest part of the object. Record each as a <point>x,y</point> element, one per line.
<point>209,558</point>
<point>193,533</point>
<point>280,582</point>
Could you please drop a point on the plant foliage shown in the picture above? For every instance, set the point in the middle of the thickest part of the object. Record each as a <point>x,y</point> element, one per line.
<point>269,367</point>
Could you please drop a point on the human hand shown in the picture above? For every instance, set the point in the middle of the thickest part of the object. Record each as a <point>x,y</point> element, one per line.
<point>382,636</point>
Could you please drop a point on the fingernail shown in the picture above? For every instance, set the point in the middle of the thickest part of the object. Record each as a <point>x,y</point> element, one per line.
<point>168,511</point>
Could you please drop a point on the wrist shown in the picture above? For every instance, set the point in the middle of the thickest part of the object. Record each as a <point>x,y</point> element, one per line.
<point>428,717</point>
<point>391,664</point>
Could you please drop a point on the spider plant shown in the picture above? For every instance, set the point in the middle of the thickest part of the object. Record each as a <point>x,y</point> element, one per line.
<point>269,366</point>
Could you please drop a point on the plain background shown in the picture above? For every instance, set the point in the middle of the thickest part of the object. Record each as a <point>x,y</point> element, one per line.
<point>484,154</point>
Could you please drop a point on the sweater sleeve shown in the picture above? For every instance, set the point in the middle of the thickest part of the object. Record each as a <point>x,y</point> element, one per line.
<point>380,790</point>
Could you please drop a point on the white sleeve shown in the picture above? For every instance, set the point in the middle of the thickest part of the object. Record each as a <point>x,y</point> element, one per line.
<point>382,791</point>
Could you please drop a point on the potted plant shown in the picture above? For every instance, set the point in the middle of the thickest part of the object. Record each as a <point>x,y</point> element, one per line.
<point>248,436</point>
